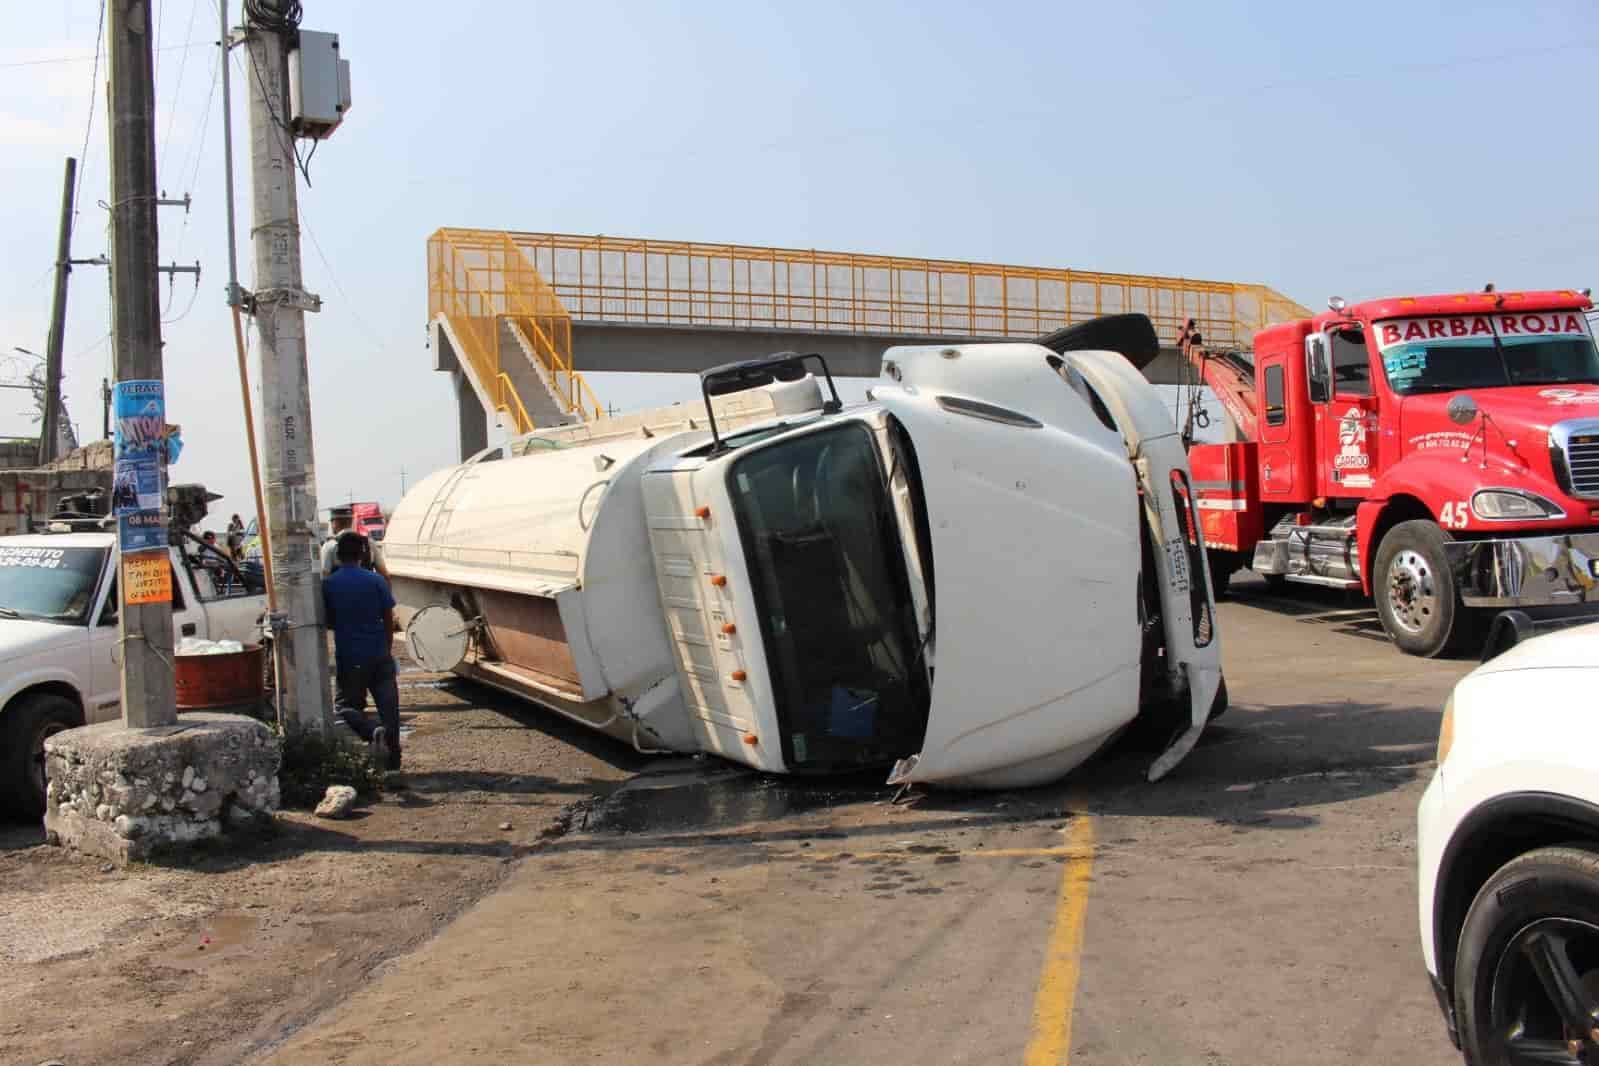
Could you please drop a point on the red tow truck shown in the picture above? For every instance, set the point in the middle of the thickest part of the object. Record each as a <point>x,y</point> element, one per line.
<point>1438,453</point>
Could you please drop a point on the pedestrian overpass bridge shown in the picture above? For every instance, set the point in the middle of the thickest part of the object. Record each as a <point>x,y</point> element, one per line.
<point>516,318</point>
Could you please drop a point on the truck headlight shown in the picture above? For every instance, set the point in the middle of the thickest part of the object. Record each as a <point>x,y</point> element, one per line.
<point>1446,730</point>
<point>1509,505</point>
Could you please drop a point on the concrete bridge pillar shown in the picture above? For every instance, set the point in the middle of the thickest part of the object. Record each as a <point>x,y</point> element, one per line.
<point>471,420</point>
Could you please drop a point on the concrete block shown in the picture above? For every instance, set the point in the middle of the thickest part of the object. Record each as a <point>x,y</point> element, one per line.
<point>127,794</point>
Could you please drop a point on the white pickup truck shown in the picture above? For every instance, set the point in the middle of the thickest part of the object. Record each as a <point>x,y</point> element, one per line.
<point>60,666</point>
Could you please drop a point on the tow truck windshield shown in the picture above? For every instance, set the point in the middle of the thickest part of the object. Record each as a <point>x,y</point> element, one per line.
<point>1490,357</point>
<point>48,584</point>
<point>837,616</point>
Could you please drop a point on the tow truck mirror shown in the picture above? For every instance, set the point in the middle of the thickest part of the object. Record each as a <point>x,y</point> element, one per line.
<point>1463,409</point>
<point>1317,374</point>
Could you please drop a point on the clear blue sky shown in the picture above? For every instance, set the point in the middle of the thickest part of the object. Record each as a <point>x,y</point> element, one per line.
<point>1357,149</point>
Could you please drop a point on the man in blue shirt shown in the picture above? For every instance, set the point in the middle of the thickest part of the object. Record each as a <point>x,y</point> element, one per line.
<point>360,611</point>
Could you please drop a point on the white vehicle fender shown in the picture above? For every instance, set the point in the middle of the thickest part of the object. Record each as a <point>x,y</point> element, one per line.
<point>18,683</point>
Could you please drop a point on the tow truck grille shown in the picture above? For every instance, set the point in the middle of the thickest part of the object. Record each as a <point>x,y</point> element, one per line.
<point>1582,459</point>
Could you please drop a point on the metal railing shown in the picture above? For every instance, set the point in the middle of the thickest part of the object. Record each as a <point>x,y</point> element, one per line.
<point>477,279</point>
<point>675,283</point>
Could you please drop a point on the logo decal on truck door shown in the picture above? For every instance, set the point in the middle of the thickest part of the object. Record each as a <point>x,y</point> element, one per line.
<point>1352,441</point>
<point>1352,461</point>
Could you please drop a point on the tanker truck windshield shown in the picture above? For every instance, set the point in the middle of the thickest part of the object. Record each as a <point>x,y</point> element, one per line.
<point>1447,353</point>
<point>837,616</point>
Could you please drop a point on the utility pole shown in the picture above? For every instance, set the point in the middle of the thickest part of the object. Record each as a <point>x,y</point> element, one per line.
<point>145,586</point>
<point>50,432</point>
<point>279,306</point>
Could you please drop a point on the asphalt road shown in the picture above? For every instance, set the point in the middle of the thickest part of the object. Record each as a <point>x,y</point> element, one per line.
<point>1258,906</point>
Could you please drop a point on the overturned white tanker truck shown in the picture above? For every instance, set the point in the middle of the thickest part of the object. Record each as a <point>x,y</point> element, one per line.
<point>977,578</point>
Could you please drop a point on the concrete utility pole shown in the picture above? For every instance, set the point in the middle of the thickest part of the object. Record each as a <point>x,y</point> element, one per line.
<point>280,303</point>
<point>49,433</point>
<point>147,683</point>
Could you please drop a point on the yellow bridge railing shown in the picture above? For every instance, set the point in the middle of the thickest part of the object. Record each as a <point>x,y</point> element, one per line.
<point>676,283</point>
<point>479,280</point>
<point>544,282</point>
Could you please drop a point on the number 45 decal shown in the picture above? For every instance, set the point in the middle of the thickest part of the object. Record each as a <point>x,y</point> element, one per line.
<point>1454,515</point>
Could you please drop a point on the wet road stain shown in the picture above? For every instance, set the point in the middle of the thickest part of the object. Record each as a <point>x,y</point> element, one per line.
<point>720,798</point>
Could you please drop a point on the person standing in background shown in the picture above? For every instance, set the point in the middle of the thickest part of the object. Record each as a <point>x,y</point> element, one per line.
<point>371,551</point>
<point>236,537</point>
<point>360,611</point>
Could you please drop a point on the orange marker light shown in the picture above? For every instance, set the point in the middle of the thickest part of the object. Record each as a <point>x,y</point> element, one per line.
<point>702,512</point>
<point>751,739</point>
<point>718,580</point>
<point>738,675</point>
<point>729,628</point>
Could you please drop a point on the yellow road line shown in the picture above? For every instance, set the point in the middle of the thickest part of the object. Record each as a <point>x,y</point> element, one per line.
<point>1064,852</point>
<point>1051,1044</point>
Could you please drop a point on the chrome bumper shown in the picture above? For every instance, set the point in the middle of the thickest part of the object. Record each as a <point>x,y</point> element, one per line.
<point>1556,570</point>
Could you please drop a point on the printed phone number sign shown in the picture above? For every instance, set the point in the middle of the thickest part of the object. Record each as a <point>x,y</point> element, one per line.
<point>146,578</point>
<point>137,490</point>
<point>39,558</point>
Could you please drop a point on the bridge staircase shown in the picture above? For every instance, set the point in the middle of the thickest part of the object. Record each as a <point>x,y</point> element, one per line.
<point>510,335</point>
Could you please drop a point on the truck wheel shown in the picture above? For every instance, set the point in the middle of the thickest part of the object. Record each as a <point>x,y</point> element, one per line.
<point>1222,566</point>
<point>1525,970</point>
<point>1415,592</point>
<point>28,723</point>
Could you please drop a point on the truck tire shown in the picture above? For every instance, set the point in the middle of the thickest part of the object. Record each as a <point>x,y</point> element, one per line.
<point>1541,905</point>
<point>27,723</point>
<point>1415,592</point>
<point>1223,564</point>
<point>1132,335</point>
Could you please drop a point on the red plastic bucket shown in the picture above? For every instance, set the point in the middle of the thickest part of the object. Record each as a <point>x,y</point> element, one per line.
<point>228,679</point>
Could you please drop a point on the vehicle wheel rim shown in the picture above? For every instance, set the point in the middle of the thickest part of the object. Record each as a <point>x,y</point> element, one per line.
<point>36,754</point>
<point>1412,591</point>
<point>1545,1006</point>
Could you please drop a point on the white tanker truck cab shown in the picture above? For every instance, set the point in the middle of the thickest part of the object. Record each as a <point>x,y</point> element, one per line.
<point>978,578</point>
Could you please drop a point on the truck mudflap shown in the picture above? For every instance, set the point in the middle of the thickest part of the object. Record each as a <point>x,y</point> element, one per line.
<point>1559,569</point>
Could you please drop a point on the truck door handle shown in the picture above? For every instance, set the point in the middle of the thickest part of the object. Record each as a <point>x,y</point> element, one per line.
<point>187,629</point>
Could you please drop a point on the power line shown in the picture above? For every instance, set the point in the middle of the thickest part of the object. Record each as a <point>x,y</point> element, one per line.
<point>282,125</point>
<point>89,58</point>
<point>177,90</point>
<point>196,156</point>
<point>155,53</point>
<point>94,93</point>
<point>372,334</point>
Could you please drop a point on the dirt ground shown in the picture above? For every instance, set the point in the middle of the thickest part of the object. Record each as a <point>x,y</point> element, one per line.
<point>1257,906</point>
<point>202,962</point>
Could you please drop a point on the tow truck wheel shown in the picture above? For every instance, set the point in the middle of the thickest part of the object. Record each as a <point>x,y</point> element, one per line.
<point>1415,592</point>
<point>27,725</point>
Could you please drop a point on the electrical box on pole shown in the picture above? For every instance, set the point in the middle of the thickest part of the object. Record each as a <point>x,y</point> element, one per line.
<point>319,85</point>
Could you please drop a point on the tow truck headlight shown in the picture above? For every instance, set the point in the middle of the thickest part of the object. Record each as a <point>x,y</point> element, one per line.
<point>1446,730</point>
<point>1509,505</point>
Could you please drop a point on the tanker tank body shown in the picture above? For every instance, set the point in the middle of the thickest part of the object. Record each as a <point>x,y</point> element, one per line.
<point>529,568</point>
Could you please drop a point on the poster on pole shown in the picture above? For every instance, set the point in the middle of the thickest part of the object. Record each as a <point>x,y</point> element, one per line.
<point>147,577</point>
<point>136,487</point>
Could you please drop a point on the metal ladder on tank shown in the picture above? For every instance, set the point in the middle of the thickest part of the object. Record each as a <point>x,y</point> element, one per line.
<point>436,519</point>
